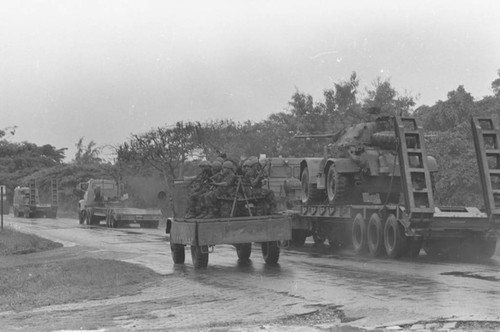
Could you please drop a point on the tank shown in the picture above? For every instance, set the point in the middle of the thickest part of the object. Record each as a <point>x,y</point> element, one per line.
<point>360,165</point>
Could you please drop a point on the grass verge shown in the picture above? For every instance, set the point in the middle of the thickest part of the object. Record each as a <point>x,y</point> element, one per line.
<point>13,242</point>
<point>27,286</point>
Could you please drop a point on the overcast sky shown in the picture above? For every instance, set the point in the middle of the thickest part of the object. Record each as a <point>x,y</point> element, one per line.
<point>105,69</point>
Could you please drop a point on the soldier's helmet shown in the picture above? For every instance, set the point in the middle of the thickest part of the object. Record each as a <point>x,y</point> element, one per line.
<point>205,163</point>
<point>217,165</point>
<point>230,165</point>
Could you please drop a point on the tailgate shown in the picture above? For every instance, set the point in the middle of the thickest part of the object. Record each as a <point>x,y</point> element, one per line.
<point>231,230</point>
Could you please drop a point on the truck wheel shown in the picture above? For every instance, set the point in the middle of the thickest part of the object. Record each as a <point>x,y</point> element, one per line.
<point>394,237</point>
<point>336,186</point>
<point>81,217</point>
<point>299,237</point>
<point>178,253</point>
<point>244,251</point>
<point>199,255</point>
<point>375,236</point>
<point>310,193</point>
<point>270,252</point>
<point>358,235</point>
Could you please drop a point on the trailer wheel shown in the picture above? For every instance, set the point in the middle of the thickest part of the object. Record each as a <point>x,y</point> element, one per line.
<point>358,235</point>
<point>394,237</point>
<point>178,253</point>
<point>310,193</point>
<point>375,236</point>
<point>270,252</point>
<point>336,186</point>
<point>199,255</point>
<point>244,251</point>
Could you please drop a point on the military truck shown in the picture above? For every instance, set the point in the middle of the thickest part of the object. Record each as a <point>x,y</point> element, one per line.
<point>105,200</point>
<point>375,191</point>
<point>26,201</point>
<point>239,223</point>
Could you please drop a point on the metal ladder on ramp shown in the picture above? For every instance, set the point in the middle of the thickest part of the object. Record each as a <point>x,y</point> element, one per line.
<point>54,191</point>
<point>415,175</point>
<point>32,189</point>
<point>486,135</point>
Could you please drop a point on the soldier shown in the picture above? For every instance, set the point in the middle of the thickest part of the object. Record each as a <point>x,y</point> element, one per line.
<point>199,186</point>
<point>254,175</point>
<point>223,188</point>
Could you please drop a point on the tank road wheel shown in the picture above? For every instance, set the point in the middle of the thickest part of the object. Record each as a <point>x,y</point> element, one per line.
<point>270,252</point>
<point>336,186</point>
<point>82,216</point>
<point>244,250</point>
<point>394,237</point>
<point>199,255</point>
<point>310,193</point>
<point>375,236</point>
<point>178,253</point>
<point>358,235</point>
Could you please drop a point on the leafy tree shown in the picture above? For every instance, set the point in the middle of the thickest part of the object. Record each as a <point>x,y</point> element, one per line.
<point>89,154</point>
<point>387,100</point>
<point>448,114</point>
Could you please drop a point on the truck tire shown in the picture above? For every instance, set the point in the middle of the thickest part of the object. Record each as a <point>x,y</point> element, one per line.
<point>358,235</point>
<point>375,236</point>
<point>336,186</point>
<point>244,251</point>
<point>310,194</point>
<point>199,255</point>
<point>394,237</point>
<point>178,253</point>
<point>270,252</point>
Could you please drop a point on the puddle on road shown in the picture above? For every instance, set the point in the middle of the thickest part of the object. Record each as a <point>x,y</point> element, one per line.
<point>470,275</point>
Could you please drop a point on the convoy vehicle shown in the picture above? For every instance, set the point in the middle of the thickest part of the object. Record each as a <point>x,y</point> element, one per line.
<point>26,201</point>
<point>104,200</point>
<point>240,223</point>
<point>376,193</point>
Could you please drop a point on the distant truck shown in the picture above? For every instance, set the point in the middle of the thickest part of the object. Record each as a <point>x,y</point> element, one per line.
<point>104,200</point>
<point>26,201</point>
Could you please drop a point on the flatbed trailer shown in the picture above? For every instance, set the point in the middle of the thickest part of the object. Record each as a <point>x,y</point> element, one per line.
<point>403,229</point>
<point>202,235</point>
<point>103,200</point>
<point>27,203</point>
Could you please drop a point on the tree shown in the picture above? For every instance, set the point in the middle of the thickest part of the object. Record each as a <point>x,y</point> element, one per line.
<point>88,154</point>
<point>387,100</point>
<point>446,115</point>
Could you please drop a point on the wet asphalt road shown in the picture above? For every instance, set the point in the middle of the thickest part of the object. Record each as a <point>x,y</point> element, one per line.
<point>371,292</point>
